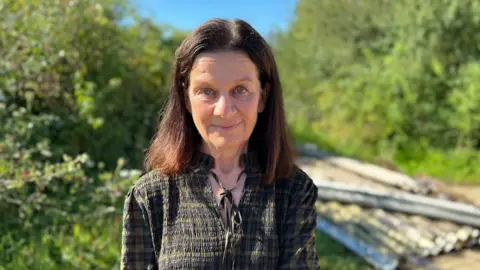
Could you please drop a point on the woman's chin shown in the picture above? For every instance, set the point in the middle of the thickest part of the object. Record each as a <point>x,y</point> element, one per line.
<point>227,142</point>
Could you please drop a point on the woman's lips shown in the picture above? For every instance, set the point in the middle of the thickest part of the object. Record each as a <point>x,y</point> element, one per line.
<point>226,127</point>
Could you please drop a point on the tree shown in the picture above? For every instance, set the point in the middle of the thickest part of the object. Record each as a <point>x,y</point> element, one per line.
<point>396,74</point>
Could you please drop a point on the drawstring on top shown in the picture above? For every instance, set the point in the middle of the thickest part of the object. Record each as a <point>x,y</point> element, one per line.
<point>252,166</point>
<point>233,217</point>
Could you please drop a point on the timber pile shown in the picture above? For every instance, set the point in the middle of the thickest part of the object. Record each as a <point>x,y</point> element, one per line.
<point>391,220</point>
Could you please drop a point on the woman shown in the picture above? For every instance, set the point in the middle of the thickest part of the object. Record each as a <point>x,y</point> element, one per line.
<point>222,191</point>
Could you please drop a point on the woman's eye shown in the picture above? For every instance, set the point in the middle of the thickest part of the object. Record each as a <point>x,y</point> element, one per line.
<point>207,91</point>
<point>241,90</point>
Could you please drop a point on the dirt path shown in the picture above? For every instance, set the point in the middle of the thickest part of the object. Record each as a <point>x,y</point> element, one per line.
<point>471,192</point>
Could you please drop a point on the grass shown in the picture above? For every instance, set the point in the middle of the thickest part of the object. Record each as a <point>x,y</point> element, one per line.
<point>459,166</point>
<point>334,256</point>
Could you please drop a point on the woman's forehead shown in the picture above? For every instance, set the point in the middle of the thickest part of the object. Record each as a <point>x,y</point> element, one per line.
<point>225,66</point>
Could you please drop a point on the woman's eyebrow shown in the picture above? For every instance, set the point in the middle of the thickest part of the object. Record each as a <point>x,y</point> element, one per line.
<point>247,78</point>
<point>202,82</point>
<point>207,81</point>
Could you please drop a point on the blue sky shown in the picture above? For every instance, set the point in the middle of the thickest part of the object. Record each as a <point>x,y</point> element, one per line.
<point>263,15</point>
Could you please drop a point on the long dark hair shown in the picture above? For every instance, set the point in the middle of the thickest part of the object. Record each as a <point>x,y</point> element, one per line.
<point>177,138</point>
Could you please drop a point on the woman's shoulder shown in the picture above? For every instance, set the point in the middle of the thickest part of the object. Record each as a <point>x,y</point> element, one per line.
<point>298,183</point>
<point>152,182</point>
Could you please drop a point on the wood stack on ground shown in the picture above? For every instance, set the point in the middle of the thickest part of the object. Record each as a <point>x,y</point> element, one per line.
<point>388,218</point>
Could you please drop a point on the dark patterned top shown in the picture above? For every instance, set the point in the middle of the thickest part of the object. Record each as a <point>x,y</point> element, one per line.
<point>174,222</point>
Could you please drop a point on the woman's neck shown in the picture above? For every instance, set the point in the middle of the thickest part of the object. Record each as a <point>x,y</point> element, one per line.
<point>226,160</point>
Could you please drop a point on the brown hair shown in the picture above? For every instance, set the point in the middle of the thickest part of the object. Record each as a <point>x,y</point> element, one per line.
<point>177,138</point>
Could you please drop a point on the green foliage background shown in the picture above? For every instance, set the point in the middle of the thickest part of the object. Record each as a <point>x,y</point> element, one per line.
<point>82,82</point>
<point>390,80</point>
<point>80,89</point>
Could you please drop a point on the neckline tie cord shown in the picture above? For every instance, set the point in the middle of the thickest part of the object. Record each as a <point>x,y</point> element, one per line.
<point>233,217</point>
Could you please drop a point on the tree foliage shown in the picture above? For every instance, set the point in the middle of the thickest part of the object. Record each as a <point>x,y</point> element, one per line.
<point>81,83</point>
<point>389,78</point>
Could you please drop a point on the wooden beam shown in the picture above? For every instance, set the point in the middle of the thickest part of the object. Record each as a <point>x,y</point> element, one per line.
<point>406,203</point>
<point>369,171</point>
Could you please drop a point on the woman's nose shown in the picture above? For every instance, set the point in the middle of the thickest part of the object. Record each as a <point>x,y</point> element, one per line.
<point>224,106</point>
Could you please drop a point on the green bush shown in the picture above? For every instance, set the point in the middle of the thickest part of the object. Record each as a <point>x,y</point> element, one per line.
<point>81,83</point>
<point>103,80</point>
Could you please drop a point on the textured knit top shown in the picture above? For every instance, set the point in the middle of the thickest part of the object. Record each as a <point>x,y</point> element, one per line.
<point>174,222</point>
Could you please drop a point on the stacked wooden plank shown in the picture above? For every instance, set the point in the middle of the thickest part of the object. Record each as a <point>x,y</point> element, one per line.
<point>388,218</point>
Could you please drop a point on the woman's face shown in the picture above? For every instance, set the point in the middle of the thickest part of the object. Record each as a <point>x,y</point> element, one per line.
<point>224,98</point>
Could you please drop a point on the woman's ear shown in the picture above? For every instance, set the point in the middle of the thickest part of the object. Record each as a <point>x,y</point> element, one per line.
<point>263,97</point>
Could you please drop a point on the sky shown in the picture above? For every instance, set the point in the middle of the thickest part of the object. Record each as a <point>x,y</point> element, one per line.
<point>263,15</point>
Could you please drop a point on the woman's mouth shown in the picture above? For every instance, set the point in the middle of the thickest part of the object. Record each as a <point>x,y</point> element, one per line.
<point>226,127</point>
